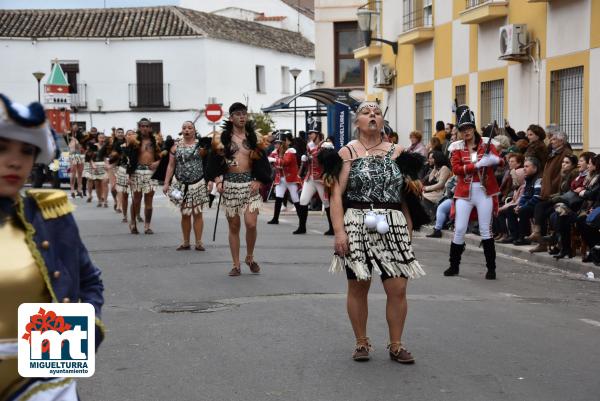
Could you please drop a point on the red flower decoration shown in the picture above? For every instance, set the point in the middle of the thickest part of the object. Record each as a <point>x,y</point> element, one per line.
<point>44,321</point>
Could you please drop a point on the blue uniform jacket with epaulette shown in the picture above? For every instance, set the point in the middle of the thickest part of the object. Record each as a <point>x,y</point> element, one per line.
<point>70,274</point>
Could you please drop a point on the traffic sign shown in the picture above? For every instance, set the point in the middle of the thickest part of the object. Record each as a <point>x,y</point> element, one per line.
<point>213,112</point>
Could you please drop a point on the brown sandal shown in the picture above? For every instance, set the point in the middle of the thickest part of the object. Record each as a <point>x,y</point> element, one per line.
<point>148,231</point>
<point>254,267</point>
<point>199,247</point>
<point>362,349</point>
<point>401,355</point>
<point>236,271</point>
<point>183,247</point>
<point>133,229</point>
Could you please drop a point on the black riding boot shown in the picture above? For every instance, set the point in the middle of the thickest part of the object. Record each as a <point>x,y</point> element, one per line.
<point>276,211</point>
<point>455,254</point>
<point>489,250</point>
<point>302,212</point>
<point>330,230</point>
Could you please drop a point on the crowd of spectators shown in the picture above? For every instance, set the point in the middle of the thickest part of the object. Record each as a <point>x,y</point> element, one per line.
<point>549,196</point>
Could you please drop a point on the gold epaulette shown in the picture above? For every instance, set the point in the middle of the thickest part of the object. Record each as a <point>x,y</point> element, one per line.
<point>53,203</point>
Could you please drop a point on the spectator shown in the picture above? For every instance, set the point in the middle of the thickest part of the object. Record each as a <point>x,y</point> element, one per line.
<point>449,128</point>
<point>551,183</point>
<point>507,217</point>
<point>563,222</point>
<point>393,137</point>
<point>528,200</point>
<point>416,144</point>
<point>590,195</point>
<point>440,132</point>
<point>515,136</point>
<point>442,213</point>
<point>434,144</point>
<point>508,188</point>
<point>435,182</point>
<point>537,148</point>
<point>519,147</point>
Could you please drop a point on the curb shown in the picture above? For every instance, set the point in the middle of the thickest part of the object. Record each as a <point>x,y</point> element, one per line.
<point>574,265</point>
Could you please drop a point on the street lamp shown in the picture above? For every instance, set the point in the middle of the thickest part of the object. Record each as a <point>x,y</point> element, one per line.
<point>38,76</point>
<point>367,23</point>
<point>295,72</point>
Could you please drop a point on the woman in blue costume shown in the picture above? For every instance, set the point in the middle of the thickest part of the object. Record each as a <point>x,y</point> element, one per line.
<point>373,209</point>
<point>43,258</point>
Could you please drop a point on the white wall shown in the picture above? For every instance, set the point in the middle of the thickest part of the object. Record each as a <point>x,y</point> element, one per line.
<point>406,113</point>
<point>568,26</point>
<point>442,103</point>
<point>488,44</point>
<point>392,23</point>
<point>443,10</point>
<point>460,48</point>
<point>524,106</point>
<point>271,8</point>
<point>473,93</point>
<point>594,120</point>
<point>194,68</point>
<point>423,61</point>
<point>324,52</point>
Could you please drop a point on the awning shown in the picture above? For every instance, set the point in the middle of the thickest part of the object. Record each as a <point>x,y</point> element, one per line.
<point>323,95</point>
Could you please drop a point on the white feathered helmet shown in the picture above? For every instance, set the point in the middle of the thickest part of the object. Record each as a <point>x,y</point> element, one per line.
<point>27,124</point>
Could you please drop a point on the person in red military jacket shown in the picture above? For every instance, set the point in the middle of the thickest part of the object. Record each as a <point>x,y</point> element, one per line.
<point>473,162</point>
<point>286,175</point>
<point>313,181</point>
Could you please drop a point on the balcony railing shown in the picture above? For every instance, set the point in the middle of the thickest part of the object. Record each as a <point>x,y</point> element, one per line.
<point>79,98</point>
<point>416,19</point>
<point>475,3</point>
<point>149,96</point>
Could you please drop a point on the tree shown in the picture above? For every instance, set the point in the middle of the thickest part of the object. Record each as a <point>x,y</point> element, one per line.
<point>264,122</point>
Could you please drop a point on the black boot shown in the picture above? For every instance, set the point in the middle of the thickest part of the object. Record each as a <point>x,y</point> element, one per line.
<point>455,254</point>
<point>302,212</point>
<point>330,230</point>
<point>565,247</point>
<point>489,250</point>
<point>435,234</point>
<point>211,199</point>
<point>276,211</point>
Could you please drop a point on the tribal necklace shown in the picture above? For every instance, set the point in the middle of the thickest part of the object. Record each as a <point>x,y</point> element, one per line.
<point>369,148</point>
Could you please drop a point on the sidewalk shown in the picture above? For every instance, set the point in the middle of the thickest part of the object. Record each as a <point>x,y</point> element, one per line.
<point>574,265</point>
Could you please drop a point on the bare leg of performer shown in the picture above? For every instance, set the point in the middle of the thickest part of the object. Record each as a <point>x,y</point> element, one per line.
<point>186,228</point>
<point>148,212</point>
<point>395,309</point>
<point>99,191</point>
<point>124,203</point>
<point>79,175</point>
<point>136,204</point>
<point>234,239</point>
<point>198,228</point>
<point>358,309</point>
<point>250,220</point>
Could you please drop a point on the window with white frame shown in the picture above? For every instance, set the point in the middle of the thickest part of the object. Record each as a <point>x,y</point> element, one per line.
<point>285,79</point>
<point>417,14</point>
<point>260,79</point>
<point>566,103</point>
<point>423,117</point>
<point>492,103</point>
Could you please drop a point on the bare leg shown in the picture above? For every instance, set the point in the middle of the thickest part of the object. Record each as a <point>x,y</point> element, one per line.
<point>90,188</point>
<point>198,227</point>
<point>250,219</point>
<point>148,198</point>
<point>136,204</point>
<point>358,307</point>
<point>234,238</point>
<point>99,190</point>
<point>73,177</point>
<point>79,173</point>
<point>396,309</point>
<point>124,202</point>
<point>186,228</point>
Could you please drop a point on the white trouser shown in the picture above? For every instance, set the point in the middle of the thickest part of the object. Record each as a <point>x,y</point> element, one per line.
<point>285,186</point>
<point>308,191</point>
<point>484,205</point>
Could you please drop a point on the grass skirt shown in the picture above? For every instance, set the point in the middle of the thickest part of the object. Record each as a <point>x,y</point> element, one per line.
<point>141,181</point>
<point>122,184</point>
<point>195,198</point>
<point>99,173</point>
<point>237,198</point>
<point>76,158</point>
<point>391,252</point>
<point>87,170</point>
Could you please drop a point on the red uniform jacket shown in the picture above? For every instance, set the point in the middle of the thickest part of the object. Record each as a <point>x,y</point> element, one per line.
<point>286,165</point>
<point>315,170</point>
<point>465,170</point>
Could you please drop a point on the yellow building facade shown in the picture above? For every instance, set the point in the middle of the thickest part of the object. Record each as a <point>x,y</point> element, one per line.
<point>526,61</point>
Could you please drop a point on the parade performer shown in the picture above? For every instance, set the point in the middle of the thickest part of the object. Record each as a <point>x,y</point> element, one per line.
<point>113,152</point>
<point>285,163</point>
<point>313,181</point>
<point>238,165</point>
<point>188,189</point>
<point>143,158</point>
<point>473,162</point>
<point>374,207</point>
<point>76,160</point>
<point>43,258</point>
<point>122,178</point>
<point>98,175</point>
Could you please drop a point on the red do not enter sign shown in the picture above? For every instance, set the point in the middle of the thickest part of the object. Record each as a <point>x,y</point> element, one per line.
<point>213,112</point>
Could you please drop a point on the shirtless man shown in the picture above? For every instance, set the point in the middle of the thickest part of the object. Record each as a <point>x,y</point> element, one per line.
<point>144,158</point>
<point>238,168</point>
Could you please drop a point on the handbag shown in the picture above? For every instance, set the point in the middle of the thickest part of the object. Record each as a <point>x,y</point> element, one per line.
<point>571,199</point>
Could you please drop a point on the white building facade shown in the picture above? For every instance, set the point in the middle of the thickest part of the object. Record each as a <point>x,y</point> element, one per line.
<point>166,75</point>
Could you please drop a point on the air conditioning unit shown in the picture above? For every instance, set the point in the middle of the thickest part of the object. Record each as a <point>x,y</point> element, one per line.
<point>382,76</point>
<point>317,76</point>
<point>513,42</point>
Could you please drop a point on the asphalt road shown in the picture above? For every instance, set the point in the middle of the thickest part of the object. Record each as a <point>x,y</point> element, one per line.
<point>180,329</point>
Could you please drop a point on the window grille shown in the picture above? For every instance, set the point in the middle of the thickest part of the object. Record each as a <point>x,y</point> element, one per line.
<point>566,102</point>
<point>460,93</point>
<point>492,103</point>
<point>417,14</point>
<point>423,115</point>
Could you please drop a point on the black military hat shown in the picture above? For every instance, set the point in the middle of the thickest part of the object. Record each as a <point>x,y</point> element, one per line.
<point>464,117</point>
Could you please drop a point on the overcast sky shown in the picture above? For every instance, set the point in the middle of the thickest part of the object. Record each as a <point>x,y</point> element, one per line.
<point>10,4</point>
